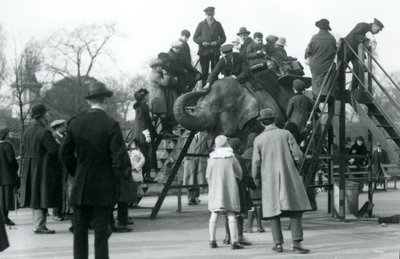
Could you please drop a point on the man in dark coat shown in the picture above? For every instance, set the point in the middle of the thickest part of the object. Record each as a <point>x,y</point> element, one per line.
<point>354,38</point>
<point>185,35</point>
<point>298,110</point>
<point>380,156</point>
<point>232,64</point>
<point>210,36</point>
<point>41,171</point>
<point>186,74</point>
<point>321,52</point>
<point>9,180</point>
<point>144,132</point>
<point>94,152</point>
<point>256,53</point>
<point>246,40</point>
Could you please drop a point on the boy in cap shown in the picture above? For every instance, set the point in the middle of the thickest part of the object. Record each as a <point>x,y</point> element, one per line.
<point>256,53</point>
<point>281,57</point>
<point>210,36</point>
<point>356,36</point>
<point>298,109</point>
<point>232,64</point>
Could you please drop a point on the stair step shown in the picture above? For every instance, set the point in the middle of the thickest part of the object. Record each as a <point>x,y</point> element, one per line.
<point>384,126</point>
<point>394,138</point>
<point>375,114</point>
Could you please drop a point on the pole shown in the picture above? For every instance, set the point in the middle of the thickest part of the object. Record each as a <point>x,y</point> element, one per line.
<point>342,133</point>
<point>370,136</point>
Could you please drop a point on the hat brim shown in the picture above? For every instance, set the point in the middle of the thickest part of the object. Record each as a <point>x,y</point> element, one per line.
<point>243,32</point>
<point>96,95</point>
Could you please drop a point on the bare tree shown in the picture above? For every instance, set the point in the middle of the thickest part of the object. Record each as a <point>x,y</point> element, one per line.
<point>22,81</point>
<point>3,62</point>
<point>73,54</point>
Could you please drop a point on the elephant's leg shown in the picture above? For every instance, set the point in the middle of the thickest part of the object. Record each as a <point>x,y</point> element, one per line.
<point>227,123</point>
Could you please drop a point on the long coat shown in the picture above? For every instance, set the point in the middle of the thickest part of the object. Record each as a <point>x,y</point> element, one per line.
<point>253,57</point>
<point>8,164</point>
<point>232,64</point>
<point>273,162</point>
<point>162,93</point>
<point>194,168</point>
<point>223,171</point>
<point>41,170</point>
<point>183,70</point>
<point>94,153</point>
<point>298,109</point>
<point>142,122</point>
<point>206,33</point>
<point>322,51</point>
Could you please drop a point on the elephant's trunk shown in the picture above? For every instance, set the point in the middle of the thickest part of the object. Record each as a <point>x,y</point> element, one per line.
<point>199,121</point>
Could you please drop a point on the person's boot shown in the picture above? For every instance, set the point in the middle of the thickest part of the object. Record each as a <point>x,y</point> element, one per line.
<point>241,239</point>
<point>249,225</point>
<point>166,131</point>
<point>260,228</point>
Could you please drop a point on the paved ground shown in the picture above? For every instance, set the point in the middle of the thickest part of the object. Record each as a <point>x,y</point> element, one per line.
<point>185,235</point>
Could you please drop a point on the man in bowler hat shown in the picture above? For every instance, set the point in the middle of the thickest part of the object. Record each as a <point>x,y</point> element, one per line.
<point>210,36</point>
<point>94,153</point>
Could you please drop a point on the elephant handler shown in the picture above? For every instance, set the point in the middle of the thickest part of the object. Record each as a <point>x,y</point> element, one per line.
<point>232,64</point>
<point>162,97</point>
<point>283,192</point>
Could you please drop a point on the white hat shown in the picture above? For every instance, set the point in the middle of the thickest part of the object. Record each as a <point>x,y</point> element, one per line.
<point>221,141</point>
<point>281,41</point>
<point>176,44</point>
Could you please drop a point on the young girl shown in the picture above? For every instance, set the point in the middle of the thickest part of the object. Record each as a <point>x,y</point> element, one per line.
<point>223,170</point>
<point>137,161</point>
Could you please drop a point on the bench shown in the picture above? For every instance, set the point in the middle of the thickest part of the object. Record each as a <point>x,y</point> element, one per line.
<point>390,172</point>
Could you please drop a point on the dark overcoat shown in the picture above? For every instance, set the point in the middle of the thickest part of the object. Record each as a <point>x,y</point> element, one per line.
<point>298,109</point>
<point>379,158</point>
<point>41,170</point>
<point>253,57</point>
<point>162,93</point>
<point>244,47</point>
<point>8,164</point>
<point>232,64</point>
<point>206,33</point>
<point>94,153</point>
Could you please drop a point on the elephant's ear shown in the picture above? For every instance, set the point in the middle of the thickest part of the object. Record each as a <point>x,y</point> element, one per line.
<point>248,109</point>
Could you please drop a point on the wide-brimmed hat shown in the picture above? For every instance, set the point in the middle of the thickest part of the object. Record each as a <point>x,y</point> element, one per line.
<point>323,24</point>
<point>156,62</point>
<point>38,110</point>
<point>221,141</point>
<point>266,114</point>
<point>227,48</point>
<point>379,23</point>
<point>209,9</point>
<point>57,123</point>
<point>98,89</point>
<point>299,85</point>
<point>281,41</point>
<point>243,30</point>
<point>271,38</point>
<point>140,94</point>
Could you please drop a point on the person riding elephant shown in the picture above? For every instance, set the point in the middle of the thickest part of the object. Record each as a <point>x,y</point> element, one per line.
<point>256,53</point>
<point>245,39</point>
<point>162,97</point>
<point>230,65</point>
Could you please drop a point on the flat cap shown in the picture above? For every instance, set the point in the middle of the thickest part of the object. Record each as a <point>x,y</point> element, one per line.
<point>271,38</point>
<point>57,123</point>
<point>185,33</point>
<point>227,48</point>
<point>379,23</point>
<point>299,85</point>
<point>258,35</point>
<point>209,9</point>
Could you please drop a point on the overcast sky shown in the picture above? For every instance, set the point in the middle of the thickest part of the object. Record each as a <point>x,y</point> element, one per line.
<point>147,27</point>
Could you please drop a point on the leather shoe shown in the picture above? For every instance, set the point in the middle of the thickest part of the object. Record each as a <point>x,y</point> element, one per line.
<point>299,249</point>
<point>243,241</point>
<point>9,222</point>
<point>122,229</point>
<point>213,244</point>
<point>236,245</point>
<point>227,240</point>
<point>278,248</point>
<point>43,231</point>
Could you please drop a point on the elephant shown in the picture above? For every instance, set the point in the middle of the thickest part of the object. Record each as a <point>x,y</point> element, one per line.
<point>231,109</point>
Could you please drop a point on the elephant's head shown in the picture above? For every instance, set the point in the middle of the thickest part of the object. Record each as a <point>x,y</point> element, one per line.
<point>224,109</point>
